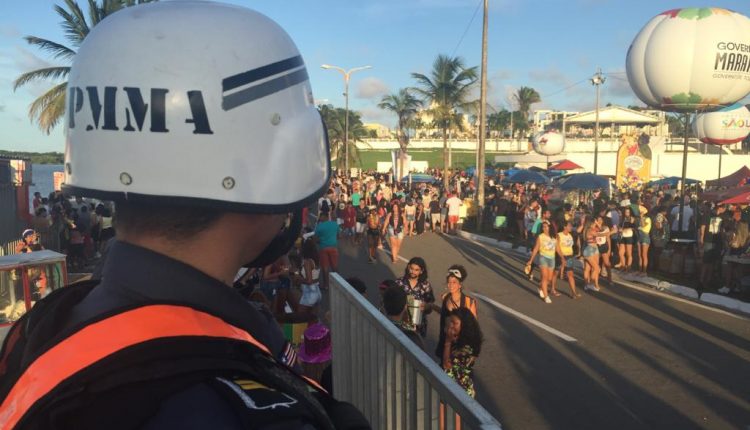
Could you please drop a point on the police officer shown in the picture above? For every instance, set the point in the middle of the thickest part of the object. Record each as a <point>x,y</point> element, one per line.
<point>197,120</point>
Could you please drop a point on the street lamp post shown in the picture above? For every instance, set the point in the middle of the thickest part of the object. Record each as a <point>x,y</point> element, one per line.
<point>597,80</point>
<point>347,74</point>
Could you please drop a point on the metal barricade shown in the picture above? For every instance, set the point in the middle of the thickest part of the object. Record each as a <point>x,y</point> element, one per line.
<point>9,248</point>
<point>394,383</point>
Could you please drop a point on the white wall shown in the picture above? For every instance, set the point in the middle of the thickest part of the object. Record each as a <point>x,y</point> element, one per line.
<point>415,166</point>
<point>702,167</point>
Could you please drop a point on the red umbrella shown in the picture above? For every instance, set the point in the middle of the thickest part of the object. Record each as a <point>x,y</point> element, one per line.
<point>742,199</point>
<point>565,165</point>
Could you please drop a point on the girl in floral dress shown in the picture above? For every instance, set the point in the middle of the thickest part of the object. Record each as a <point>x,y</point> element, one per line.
<point>463,343</point>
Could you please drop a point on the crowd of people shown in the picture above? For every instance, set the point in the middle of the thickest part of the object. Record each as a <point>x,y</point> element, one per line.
<point>80,229</point>
<point>293,286</point>
<point>627,231</point>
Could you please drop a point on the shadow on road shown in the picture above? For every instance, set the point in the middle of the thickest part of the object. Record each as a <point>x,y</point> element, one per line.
<point>572,390</point>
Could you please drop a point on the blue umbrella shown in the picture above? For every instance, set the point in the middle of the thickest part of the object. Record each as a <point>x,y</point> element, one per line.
<point>526,177</point>
<point>583,181</point>
<point>671,181</point>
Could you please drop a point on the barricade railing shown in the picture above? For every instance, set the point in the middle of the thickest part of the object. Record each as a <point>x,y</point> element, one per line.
<point>393,382</point>
<point>9,248</point>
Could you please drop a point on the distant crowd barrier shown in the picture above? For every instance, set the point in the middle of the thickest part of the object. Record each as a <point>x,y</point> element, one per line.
<point>394,383</point>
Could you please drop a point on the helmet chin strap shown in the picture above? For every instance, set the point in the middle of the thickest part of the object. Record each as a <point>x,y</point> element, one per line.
<point>281,244</point>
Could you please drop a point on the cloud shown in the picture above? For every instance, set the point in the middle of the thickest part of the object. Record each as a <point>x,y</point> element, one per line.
<point>551,75</point>
<point>371,88</point>
<point>9,30</point>
<point>495,87</point>
<point>617,85</point>
<point>377,115</point>
<point>25,60</point>
<point>500,75</point>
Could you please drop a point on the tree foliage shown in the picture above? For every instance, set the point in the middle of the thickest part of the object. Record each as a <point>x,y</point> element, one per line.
<point>447,91</point>
<point>36,157</point>
<point>49,108</point>
<point>335,120</point>
<point>525,97</point>
<point>405,105</point>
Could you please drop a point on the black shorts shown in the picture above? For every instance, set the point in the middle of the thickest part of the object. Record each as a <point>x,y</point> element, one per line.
<point>106,234</point>
<point>712,255</point>
<point>373,232</point>
<point>603,249</point>
<point>627,240</point>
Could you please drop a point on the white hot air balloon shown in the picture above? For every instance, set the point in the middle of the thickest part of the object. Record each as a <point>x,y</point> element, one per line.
<point>723,127</point>
<point>691,59</point>
<point>548,143</point>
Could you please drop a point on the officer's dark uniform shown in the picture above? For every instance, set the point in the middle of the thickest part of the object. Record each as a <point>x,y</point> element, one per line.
<point>133,275</point>
<point>176,379</point>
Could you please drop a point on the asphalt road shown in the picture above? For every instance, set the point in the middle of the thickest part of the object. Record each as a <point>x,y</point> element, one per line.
<point>621,358</point>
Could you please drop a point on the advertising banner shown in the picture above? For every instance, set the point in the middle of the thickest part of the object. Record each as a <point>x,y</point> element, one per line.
<point>633,163</point>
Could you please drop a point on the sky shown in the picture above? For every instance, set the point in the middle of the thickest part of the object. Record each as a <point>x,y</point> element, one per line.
<point>553,46</point>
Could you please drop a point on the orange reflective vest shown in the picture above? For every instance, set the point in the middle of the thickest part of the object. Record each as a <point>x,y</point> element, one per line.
<point>104,338</point>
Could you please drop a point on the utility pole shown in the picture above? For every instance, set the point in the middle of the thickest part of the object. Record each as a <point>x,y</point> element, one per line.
<point>597,80</point>
<point>482,123</point>
<point>346,74</point>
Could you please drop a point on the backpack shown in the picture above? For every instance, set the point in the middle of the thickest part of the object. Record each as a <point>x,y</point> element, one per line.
<point>139,376</point>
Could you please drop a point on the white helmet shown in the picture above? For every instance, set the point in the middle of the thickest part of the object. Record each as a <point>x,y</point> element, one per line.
<point>193,103</point>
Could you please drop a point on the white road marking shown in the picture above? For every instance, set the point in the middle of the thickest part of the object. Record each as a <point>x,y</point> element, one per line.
<point>526,318</point>
<point>628,284</point>
<point>389,253</point>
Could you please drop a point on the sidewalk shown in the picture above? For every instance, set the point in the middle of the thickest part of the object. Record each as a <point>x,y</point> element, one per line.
<point>657,284</point>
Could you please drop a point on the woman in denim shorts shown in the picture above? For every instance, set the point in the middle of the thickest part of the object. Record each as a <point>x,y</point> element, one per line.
<point>591,256</point>
<point>546,247</point>
<point>564,260</point>
<point>644,242</point>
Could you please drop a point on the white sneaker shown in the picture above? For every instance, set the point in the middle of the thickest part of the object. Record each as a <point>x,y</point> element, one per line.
<point>547,300</point>
<point>541,294</point>
<point>591,287</point>
<point>724,290</point>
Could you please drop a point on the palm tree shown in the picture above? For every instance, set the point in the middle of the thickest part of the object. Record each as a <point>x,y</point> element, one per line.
<point>498,121</point>
<point>446,90</point>
<point>49,108</point>
<point>525,97</point>
<point>405,106</point>
<point>334,119</point>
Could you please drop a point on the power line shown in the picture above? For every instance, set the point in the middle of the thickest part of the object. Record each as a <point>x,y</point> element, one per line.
<point>467,27</point>
<point>564,89</point>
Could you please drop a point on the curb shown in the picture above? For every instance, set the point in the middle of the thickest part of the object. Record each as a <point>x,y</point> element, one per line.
<point>680,290</point>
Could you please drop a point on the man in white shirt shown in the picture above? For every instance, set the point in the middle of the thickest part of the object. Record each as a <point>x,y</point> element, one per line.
<point>454,208</point>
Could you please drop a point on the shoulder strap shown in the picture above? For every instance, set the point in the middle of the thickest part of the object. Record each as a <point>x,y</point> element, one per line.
<point>151,342</point>
<point>27,337</point>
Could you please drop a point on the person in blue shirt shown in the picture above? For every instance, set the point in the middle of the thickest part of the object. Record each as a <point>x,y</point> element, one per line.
<point>327,233</point>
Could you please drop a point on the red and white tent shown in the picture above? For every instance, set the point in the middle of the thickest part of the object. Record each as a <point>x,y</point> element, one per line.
<point>565,165</point>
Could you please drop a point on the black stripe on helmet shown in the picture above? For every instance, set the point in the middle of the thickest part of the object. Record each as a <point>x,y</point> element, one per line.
<point>253,93</point>
<point>269,70</point>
